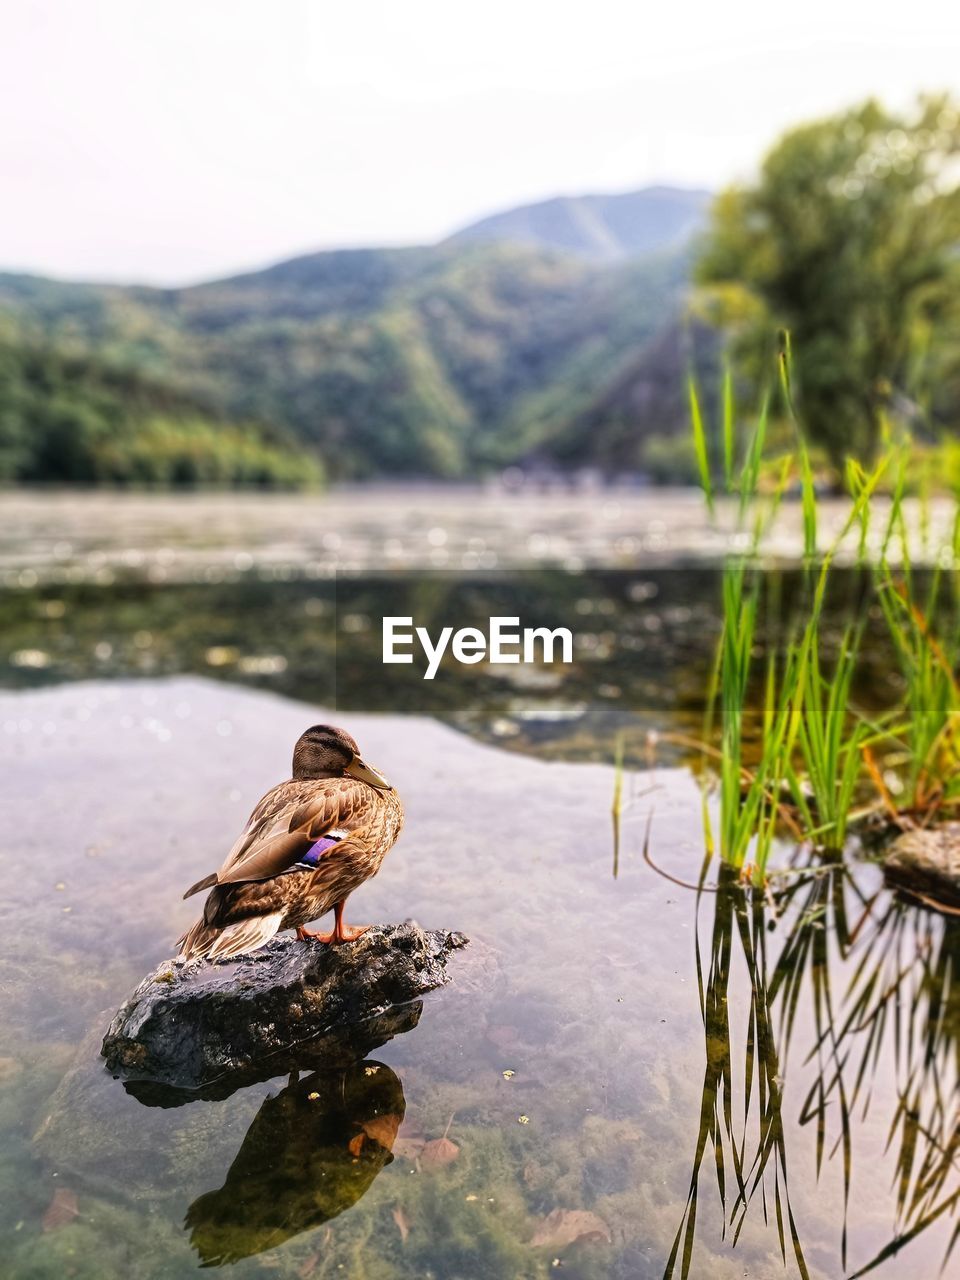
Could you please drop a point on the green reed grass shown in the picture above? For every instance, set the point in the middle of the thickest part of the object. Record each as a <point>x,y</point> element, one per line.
<point>728,427</point>
<point>814,745</point>
<point>815,754</point>
<point>616,808</point>
<point>808,493</point>
<point>747,795</point>
<point>830,739</point>
<point>808,732</point>
<point>700,449</point>
<point>928,734</point>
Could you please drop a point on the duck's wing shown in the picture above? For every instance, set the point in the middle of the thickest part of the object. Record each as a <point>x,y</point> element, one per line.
<point>286,826</point>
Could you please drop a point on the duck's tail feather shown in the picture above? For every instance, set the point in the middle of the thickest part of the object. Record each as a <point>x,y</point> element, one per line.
<point>197,940</point>
<point>206,883</point>
<point>220,944</point>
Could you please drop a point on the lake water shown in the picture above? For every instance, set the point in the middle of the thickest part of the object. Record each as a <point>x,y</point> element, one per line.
<point>637,1079</point>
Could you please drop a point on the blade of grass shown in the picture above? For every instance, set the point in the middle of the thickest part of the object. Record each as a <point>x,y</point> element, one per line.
<point>728,428</point>
<point>700,444</point>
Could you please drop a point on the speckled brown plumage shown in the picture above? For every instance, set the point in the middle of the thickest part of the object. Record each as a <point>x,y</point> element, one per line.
<point>260,888</point>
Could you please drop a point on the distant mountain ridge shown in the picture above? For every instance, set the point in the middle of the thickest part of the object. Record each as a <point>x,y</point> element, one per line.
<point>601,228</point>
<point>552,334</point>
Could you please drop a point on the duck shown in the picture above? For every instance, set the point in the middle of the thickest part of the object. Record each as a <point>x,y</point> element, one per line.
<point>306,846</point>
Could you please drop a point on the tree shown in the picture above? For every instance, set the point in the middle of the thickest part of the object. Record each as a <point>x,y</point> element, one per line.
<point>850,239</point>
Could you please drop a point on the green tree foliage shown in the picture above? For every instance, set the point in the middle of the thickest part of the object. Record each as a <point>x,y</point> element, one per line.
<point>849,238</point>
<point>71,419</point>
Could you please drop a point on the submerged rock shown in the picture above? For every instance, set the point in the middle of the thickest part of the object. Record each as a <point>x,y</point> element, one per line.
<point>927,863</point>
<point>188,1025</point>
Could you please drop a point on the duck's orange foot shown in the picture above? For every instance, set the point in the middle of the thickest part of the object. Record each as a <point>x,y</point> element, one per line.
<point>315,935</point>
<point>350,932</point>
<point>340,933</point>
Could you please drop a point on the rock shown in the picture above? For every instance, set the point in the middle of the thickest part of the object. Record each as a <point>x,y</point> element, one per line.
<point>329,1052</point>
<point>927,863</point>
<point>96,1128</point>
<point>189,1025</point>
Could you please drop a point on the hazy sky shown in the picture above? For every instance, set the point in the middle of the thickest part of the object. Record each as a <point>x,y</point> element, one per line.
<point>170,141</point>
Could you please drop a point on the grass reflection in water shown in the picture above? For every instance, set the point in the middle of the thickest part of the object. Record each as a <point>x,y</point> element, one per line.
<point>900,1003</point>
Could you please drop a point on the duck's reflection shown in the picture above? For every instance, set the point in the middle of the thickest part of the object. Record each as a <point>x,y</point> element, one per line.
<point>311,1152</point>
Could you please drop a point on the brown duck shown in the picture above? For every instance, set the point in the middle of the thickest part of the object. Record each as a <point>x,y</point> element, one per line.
<point>307,845</point>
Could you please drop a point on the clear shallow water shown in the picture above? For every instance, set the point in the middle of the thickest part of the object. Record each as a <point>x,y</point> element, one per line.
<point>581,986</point>
<point>591,1060</point>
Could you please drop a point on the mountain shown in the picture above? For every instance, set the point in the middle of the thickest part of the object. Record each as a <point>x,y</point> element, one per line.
<point>72,419</point>
<point>623,424</point>
<point>599,228</point>
<point>444,360</point>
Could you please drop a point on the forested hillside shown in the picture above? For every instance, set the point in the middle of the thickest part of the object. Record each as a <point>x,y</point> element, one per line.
<point>73,419</point>
<point>443,361</point>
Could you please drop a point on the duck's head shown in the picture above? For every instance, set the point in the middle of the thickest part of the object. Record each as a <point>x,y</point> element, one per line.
<point>326,752</point>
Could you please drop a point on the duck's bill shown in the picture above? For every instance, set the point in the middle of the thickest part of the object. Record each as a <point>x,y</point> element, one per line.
<point>358,768</point>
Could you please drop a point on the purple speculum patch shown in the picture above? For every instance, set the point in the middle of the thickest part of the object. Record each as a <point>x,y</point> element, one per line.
<point>312,857</point>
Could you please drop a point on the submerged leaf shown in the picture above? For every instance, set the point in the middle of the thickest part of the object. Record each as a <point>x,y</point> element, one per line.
<point>403,1223</point>
<point>439,1152</point>
<point>62,1209</point>
<point>564,1226</point>
<point>9,1067</point>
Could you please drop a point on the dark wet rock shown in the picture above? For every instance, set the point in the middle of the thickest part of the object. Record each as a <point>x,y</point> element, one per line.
<point>189,1025</point>
<point>330,1052</point>
<point>927,864</point>
<point>94,1131</point>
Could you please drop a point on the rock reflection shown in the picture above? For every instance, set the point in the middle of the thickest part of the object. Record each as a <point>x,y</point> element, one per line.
<point>312,1151</point>
<point>887,1034</point>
